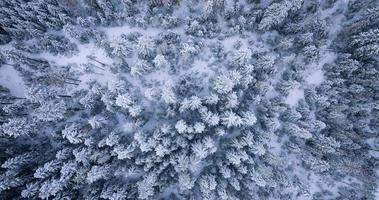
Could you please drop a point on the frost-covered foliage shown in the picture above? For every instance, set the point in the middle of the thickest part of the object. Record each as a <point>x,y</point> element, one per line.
<point>189,99</point>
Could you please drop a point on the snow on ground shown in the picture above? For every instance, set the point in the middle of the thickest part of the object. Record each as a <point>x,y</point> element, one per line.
<point>100,73</point>
<point>113,32</point>
<point>316,78</point>
<point>229,42</point>
<point>201,66</point>
<point>314,74</point>
<point>85,50</point>
<point>294,96</point>
<point>336,21</point>
<point>117,31</point>
<point>11,79</point>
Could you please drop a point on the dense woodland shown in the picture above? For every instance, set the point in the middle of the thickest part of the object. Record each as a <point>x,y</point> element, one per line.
<point>189,99</point>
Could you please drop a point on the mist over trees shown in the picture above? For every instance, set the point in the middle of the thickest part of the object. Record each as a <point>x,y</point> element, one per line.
<point>189,99</point>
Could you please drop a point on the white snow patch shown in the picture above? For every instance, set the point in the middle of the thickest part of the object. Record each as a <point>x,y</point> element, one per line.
<point>201,67</point>
<point>117,31</point>
<point>79,58</point>
<point>104,77</point>
<point>229,42</point>
<point>315,74</point>
<point>113,32</point>
<point>294,96</point>
<point>11,79</point>
<point>161,76</point>
<point>316,77</point>
<point>181,11</point>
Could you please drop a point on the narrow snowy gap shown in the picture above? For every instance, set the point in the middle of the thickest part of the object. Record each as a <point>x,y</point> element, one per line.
<point>11,79</point>
<point>314,76</point>
<point>314,73</point>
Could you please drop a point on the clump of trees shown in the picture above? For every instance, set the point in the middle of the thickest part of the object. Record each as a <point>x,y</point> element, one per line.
<point>190,101</point>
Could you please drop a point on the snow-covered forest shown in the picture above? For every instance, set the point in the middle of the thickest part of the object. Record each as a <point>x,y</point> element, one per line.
<point>189,99</point>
